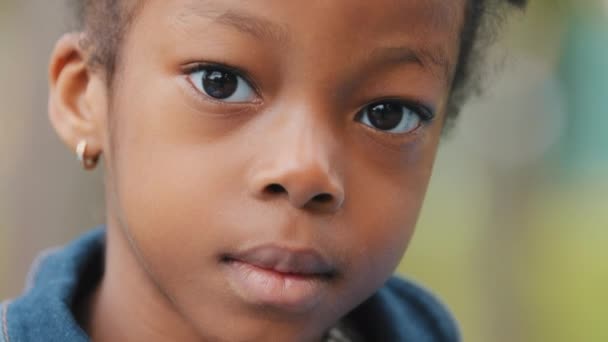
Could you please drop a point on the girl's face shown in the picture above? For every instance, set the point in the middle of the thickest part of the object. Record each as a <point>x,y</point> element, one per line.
<point>267,160</point>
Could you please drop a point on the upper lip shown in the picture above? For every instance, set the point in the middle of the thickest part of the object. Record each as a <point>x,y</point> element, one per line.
<point>306,262</point>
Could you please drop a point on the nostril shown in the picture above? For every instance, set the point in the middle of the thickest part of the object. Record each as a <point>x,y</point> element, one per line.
<point>323,198</point>
<point>275,189</point>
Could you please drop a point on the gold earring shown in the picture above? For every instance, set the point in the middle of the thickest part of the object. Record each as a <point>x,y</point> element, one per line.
<point>88,163</point>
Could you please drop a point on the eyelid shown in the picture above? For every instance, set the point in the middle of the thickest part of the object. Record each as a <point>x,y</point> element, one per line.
<point>200,66</point>
<point>426,112</point>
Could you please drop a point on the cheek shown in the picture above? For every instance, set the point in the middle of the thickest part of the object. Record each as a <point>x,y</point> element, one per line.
<point>383,207</point>
<point>171,192</point>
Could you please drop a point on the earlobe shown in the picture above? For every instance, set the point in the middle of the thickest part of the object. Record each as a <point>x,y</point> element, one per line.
<point>77,98</point>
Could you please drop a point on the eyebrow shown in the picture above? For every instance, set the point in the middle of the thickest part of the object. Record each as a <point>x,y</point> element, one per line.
<point>257,27</point>
<point>426,58</point>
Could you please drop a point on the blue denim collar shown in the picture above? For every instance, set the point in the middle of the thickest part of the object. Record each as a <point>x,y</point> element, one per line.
<point>44,311</point>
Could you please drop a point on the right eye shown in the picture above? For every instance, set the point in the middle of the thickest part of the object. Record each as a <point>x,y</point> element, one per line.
<point>222,84</point>
<point>392,117</point>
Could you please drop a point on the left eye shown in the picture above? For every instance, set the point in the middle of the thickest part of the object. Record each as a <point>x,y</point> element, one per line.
<point>221,84</point>
<point>391,117</point>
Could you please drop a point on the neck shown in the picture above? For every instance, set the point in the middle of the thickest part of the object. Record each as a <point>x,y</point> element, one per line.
<point>126,306</point>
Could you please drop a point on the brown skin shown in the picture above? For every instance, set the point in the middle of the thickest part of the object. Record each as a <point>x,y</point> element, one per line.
<point>187,177</point>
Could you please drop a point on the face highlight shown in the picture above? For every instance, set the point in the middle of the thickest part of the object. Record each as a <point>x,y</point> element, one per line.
<point>267,160</point>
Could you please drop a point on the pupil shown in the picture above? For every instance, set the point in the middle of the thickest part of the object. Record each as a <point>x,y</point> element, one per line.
<point>219,84</point>
<point>386,116</point>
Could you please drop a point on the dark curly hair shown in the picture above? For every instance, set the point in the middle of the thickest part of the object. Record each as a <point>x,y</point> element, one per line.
<point>106,22</point>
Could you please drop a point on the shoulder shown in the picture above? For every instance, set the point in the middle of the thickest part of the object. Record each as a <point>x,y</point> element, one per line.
<point>3,321</point>
<point>424,307</point>
<point>404,311</point>
<point>56,277</point>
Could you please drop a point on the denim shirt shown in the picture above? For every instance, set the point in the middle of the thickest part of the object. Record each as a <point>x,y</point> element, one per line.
<point>399,311</point>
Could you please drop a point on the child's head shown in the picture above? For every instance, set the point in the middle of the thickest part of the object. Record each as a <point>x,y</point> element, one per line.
<point>265,160</point>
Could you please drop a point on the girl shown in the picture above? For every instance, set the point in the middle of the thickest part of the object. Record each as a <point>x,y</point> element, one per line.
<point>265,164</point>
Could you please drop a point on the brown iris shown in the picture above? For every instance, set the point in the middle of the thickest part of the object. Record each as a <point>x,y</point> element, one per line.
<point>385,116</point>
<point>219,84</point>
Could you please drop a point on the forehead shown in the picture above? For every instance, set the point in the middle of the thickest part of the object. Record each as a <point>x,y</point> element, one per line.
<point>428,28</point>
<point>436,13</point>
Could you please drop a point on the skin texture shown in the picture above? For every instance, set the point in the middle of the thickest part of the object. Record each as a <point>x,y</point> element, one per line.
<point>189,179</point>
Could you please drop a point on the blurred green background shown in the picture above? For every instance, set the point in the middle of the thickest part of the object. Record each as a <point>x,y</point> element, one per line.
<point>514,232</point>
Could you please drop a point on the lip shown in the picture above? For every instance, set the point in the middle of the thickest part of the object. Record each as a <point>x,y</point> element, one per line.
<point>286,279</point>
<point>303,262</point>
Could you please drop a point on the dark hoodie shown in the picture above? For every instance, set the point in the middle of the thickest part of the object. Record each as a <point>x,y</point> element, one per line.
<point>399,311</point>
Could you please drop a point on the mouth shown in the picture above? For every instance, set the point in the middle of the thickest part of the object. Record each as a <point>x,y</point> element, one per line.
<point>280,278</point>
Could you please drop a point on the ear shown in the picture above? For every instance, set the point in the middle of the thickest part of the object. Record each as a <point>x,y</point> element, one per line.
<point>78,99</point>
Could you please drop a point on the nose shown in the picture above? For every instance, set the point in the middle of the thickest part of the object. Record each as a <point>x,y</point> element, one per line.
<point>304,188</point>
<point>302,169</point>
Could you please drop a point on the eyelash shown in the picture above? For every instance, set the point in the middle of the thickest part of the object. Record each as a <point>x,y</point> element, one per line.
<point>424,111</point>
<point>202,66</point>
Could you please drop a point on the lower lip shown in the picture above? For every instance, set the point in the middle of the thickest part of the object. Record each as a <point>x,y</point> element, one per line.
<point>259,286</point>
